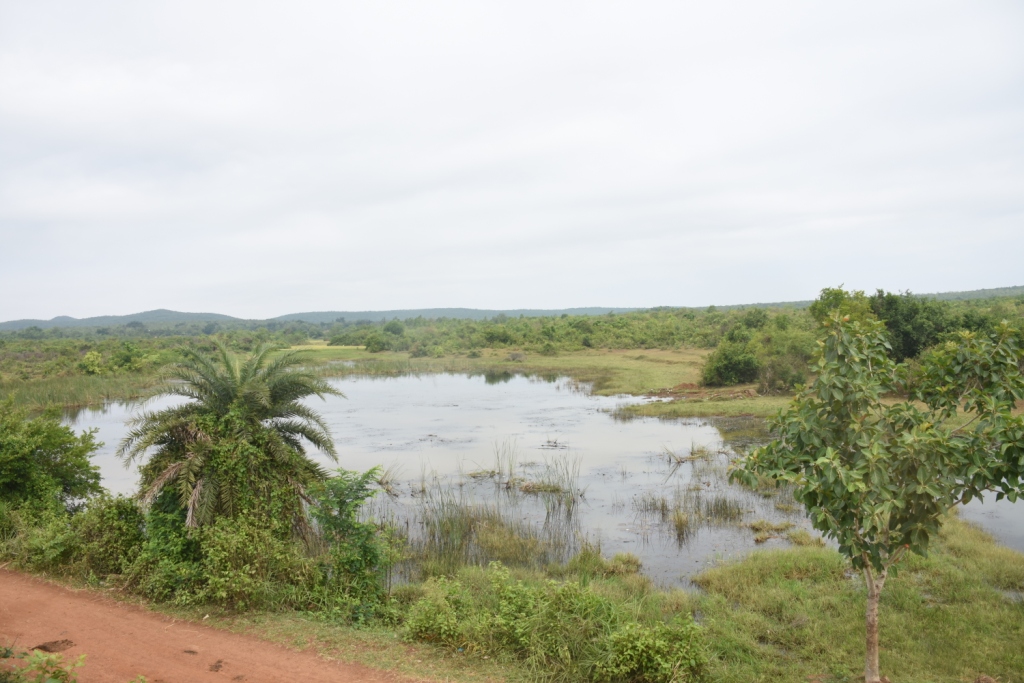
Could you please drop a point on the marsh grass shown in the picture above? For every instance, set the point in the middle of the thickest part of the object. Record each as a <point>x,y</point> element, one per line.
<point>803,537</point>
<point>681,525</point>
<point>765,530</point>
<point>798,614</point>
<point>602,372</point>
<point>758,406</point>
<point>689,510</point>
<point>79,391</point>
<point>453,531</point>
<point>721,509</point>
<point>388,479</point>
<point>696,452</point>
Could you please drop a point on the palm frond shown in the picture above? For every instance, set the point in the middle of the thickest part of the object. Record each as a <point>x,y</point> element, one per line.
<point>165,477</point>
<point>193,504</point>
<point>314,434</point>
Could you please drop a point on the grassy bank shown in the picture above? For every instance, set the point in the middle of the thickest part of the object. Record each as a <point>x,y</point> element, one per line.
<point>609,371</point>
<point>790,615</point>
<point>797,615</point>
<point>707,406</point>
<point>78,391</point>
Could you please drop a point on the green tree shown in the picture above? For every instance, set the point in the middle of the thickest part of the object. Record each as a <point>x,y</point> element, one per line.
<point>913,323</point>
<point>237,444</point>
<point>92,363</point>
<point>836,300</point>
<point>43,462</point>
<point>877,477</point>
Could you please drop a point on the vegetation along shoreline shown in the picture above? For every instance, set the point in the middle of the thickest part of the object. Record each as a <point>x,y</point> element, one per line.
<point>894,410</point>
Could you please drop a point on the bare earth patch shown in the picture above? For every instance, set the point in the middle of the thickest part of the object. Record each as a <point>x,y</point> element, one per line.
<point>123,641</point>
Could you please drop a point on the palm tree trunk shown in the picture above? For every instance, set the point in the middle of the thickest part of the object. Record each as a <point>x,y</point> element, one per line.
<point>874,585</point>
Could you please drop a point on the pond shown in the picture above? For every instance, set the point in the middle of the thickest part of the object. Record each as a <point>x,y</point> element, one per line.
<point>549,458</point>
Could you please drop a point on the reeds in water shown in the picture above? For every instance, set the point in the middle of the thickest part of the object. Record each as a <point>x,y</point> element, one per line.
<point>455,531</point>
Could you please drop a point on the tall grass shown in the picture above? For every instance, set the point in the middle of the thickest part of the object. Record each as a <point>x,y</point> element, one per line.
<point>453,531</point>
<point>798,614</point>
<point>688,510</point>
<point>79,391</point>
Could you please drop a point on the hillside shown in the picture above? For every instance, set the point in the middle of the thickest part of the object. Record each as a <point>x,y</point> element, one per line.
<point>163,317</point>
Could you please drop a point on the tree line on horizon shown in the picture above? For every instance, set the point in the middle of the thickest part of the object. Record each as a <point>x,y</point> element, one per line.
<point>769,346</point>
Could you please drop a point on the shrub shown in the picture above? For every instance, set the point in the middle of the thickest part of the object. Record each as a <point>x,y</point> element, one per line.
<point>108,534</point>
<point>730,363</point>
<point>654,654</point>
<point>436,618</point>
<point>168,565</point>
<point>375,343</point>
<point>91,363</point>
<point>245,566</point>
<point>42,462</point>
<point>561,630</point>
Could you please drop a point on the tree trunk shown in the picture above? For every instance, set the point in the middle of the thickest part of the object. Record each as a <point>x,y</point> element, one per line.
<point>874,584</point>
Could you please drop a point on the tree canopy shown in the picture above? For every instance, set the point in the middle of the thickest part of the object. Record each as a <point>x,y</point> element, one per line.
<point>43,462</point>
<point>877,475</point>
<point>237,444</point>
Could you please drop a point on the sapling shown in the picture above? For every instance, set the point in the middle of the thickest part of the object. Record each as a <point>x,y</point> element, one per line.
<point>878,452</point>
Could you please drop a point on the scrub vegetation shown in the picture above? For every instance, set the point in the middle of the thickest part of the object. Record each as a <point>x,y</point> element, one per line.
<point>687,356</point>
<point>233,520</point>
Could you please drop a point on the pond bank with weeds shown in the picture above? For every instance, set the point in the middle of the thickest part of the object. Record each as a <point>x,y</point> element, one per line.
<point>775,616</point>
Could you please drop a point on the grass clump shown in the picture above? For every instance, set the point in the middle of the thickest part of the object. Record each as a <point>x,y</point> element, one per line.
<point>803,537</point>
<point>456,533</point>
<point>764,530</point>
<point>559,630</point>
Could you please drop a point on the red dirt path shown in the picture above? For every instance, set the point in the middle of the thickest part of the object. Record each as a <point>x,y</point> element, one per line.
<point>122,641</point>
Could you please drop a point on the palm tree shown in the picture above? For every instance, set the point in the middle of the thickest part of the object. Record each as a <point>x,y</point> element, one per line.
<point>238,441</point>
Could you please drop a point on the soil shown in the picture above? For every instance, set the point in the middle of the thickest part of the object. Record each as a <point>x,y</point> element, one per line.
<point>123,641</point>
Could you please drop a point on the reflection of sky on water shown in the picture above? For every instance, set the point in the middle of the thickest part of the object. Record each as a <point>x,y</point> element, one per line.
<point>445,425</point>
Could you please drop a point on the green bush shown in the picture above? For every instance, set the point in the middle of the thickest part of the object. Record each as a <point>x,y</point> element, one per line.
<point>108,535</point>
<point>435,618</point>
<point>42,462</point>
<point>731,363</point>
<point>245,566</point>
<point>359,553</point>
<point>168,566</point>
<point>104,538</point>
<point>652,654</point>
<point>560,630</point>
<point>42,541</point>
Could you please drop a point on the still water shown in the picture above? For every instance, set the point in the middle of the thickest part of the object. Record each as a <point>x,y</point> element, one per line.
<point>442,432</point>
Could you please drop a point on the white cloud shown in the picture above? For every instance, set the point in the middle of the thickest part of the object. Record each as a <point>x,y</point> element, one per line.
<point>258,158</point>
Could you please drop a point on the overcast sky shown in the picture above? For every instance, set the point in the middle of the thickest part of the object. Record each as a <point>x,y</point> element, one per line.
<point>256,158</point>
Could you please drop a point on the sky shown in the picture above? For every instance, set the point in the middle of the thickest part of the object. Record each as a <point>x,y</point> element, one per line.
<point>260,158</point>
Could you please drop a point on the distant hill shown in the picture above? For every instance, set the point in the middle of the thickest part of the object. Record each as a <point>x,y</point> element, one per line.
<point>158,317</point>
<point>461,313</point>
<point>977,294</point>
<point>166,317</point>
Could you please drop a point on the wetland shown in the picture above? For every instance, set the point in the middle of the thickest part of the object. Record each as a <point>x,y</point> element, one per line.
<point>548,461</point>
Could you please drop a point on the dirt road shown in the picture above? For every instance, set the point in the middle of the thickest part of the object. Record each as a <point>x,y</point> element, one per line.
<point>123,641</point>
